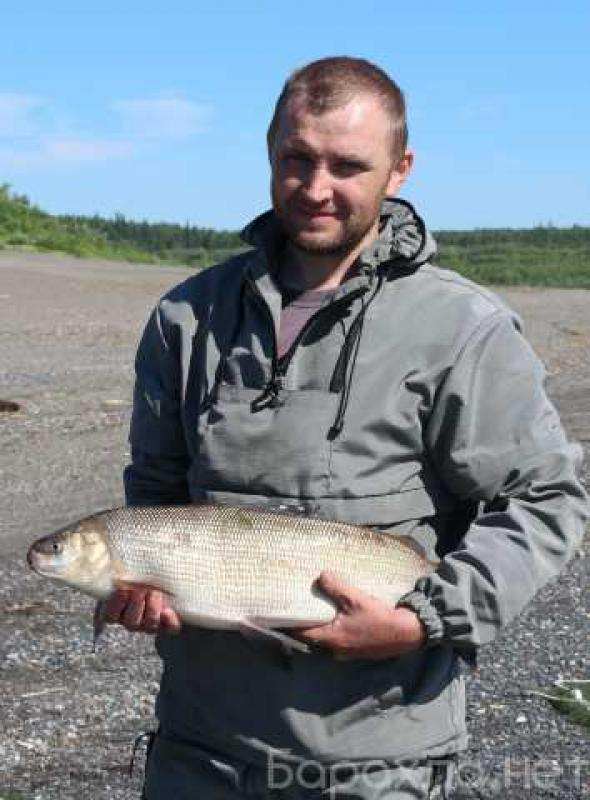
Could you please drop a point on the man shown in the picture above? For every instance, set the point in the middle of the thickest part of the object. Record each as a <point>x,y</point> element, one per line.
<point>333,367</point>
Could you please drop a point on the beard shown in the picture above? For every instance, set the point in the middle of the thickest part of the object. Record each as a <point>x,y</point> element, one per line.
<point>339,244</point>
<point>350,233</point>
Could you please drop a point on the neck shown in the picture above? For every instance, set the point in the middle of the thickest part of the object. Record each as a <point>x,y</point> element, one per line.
<point>321,270</point>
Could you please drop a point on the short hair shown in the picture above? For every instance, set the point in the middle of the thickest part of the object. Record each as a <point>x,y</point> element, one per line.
<point>332,82</point>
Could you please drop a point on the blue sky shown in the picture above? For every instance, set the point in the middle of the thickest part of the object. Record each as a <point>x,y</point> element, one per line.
<point>159,110</point>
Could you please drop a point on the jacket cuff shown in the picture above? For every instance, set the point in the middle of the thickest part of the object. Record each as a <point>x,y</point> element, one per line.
<point>427,613</point>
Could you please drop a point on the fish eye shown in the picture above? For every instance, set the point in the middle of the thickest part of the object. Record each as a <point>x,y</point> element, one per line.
<point>57,547</point>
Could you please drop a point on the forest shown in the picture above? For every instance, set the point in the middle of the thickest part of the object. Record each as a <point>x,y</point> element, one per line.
<point>544,255</point>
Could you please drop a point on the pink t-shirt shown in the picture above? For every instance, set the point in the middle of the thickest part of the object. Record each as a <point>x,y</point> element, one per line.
<point>297,311</point>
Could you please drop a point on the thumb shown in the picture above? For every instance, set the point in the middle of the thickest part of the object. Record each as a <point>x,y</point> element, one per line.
<point>342,593</point>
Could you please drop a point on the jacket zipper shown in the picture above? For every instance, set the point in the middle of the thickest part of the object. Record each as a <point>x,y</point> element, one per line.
<point>284,361</point>
<point>270,395</point>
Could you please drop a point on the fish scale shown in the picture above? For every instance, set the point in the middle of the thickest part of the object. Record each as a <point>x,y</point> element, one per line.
<point>237,562</point>
<point>222,565</point>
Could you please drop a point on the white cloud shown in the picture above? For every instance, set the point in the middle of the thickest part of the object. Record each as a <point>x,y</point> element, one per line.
<point>35,134</point>
<point>49,152</point>
<point>18,114</point>
<point>32,136</point>
<point>74,150</point>
<point>163,118</point>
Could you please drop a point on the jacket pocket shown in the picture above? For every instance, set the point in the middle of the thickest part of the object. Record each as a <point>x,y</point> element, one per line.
<point>282,450</point>
<point>185,769</point>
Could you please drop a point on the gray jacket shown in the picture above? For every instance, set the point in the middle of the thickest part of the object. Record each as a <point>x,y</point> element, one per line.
<point>411,402</point>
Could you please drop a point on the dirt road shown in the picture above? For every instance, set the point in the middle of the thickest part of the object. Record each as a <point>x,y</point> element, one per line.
<point>68,332</point>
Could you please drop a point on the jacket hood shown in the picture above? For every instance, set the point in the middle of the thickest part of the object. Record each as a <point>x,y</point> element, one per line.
<point>403,236</point>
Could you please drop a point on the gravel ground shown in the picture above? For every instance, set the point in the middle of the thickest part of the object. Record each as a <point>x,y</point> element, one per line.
<point>68,331</point>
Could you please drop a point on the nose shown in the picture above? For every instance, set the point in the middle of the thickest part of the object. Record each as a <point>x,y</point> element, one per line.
<point>317,186</point>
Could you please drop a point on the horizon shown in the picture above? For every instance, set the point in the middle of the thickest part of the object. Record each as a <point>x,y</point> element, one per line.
<point>161,114</point>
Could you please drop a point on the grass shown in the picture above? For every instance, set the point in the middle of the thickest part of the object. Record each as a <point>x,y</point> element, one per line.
<point>25,226</point>
<point>572,698</point>
<point>536,257</point>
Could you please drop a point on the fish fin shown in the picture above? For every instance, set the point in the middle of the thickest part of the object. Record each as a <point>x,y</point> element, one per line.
<point>243,514</point>
<point>249,627</point>
<point>98,623</point>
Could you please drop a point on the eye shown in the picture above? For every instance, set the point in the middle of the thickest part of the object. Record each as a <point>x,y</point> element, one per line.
<point>57,548</point>
<point>295,158</point>
<point>345,168</point>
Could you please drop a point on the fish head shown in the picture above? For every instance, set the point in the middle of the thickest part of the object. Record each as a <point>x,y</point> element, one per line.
<point>77,555</point>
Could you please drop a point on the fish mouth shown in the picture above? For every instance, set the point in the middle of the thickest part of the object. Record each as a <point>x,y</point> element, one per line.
<point>38,561</point>
<point>33,559</point>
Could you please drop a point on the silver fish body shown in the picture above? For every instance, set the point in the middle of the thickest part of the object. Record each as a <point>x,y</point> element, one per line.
<point>223,565</point>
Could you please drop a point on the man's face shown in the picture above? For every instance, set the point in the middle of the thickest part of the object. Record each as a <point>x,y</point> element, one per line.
<point>330,173</point>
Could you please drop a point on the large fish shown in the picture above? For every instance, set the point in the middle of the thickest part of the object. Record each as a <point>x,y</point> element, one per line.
<point>229,567</point>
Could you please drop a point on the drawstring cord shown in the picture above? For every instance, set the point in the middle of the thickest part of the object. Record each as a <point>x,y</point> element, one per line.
<point>340,382</point>
<point>348,355</point>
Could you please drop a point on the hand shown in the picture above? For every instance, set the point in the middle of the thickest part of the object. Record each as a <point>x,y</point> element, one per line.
<point>364,627</point>
<point>141,609</point>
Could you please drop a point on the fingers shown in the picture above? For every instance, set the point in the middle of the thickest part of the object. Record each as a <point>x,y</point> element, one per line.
<point>153,603</point>
<point>133,615</point>
<point>319,635</point>
<point>142,609</point>
<point>115,605</point>
<point>170,620</point>
<point>344,595</point>
<point>347,599</point>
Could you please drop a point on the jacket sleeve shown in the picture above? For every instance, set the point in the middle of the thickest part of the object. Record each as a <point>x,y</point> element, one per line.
<point>159,458</point>
<point>495,439</point>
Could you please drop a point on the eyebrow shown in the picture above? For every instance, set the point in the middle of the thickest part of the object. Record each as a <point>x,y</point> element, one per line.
<point>298,145</point>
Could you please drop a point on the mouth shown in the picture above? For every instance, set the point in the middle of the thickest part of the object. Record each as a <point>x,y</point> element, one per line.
<point>310,211</point>
<point>311,216</point>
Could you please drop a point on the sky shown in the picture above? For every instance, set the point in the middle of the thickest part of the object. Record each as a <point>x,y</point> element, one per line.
<point>159,111</point>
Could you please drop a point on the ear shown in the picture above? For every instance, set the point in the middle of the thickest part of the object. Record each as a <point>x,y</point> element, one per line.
<point>399,173</point>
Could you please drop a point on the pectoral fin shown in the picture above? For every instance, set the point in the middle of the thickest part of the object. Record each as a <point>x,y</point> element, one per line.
<point>250,627</point>
<point>98,623</point>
